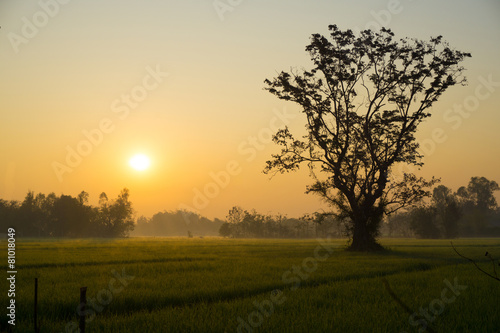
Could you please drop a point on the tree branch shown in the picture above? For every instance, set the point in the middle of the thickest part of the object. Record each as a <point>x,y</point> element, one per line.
<point>474,263</point>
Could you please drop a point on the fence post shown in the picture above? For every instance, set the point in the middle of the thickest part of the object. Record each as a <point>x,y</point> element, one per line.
<point>36,305</point>
<point>83,303</point>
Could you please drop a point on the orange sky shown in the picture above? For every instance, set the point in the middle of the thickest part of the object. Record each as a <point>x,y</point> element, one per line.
<point>84,85</point>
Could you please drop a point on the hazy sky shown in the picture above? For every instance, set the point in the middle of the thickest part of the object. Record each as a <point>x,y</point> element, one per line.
<point>84,85</point>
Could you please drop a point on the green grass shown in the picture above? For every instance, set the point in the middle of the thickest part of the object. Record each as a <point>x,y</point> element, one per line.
<point>205,285</point>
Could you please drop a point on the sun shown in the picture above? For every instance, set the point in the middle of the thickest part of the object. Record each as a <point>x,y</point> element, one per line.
<point>140,162</point>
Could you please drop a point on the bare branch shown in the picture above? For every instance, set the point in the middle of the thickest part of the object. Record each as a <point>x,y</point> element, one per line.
<point>474,263</point>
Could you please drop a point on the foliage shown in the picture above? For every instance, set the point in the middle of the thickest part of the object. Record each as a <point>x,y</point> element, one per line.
<point>423,222</point>
<point>448,210</point>
<point>399,225</point>
<point>243,224</point>
<point>66,216</point>
<point>176,223</point>
<point>116,218</point>
<point>472,211</point>
<point>479,193</point>
<point>363,101</point>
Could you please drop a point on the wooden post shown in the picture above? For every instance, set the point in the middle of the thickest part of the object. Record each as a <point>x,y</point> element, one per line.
<point>83,303</point>
<point>36,305</point>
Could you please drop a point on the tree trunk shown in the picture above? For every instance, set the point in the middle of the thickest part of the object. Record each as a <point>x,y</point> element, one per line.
<point>363,239</point>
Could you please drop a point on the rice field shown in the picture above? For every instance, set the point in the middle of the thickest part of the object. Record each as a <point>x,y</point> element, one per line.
<point>233,285</point>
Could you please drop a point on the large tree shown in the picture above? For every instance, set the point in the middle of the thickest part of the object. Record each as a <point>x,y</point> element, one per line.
<point>479,193</point>
<point>363,101</point>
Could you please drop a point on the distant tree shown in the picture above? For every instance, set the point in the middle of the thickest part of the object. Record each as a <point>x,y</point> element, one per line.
<point>122,215</point>
<point>423,222</point>
<point>279,227</point>
<point>83,198</point>
<point>103,199</point>
<point>252,225</point>
<point>225,229</point>
<point>399,225</point>
<point>239,221</point>
<point>143,227</point>
<point>8,213</point>
<point>363,102</point>
<point>448,210</point>
<point>236,215</point>
<point>30,217</point>
<point>103,221</point>
<point>115,218</point>
<point>326,224</point>
<point>43,205</point>
<point>69,218</point>
<point>302,228</point>
<point>176,223</point>
<point>480,193</point>
<point>478,205</point>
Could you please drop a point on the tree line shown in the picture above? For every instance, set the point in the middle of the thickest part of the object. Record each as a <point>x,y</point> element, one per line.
<point>471,211</point>
<point>176,223</point>
<point>241,223</point>
<point>50,215</point>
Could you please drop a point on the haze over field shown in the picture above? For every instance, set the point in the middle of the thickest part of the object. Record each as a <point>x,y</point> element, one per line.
<point>87,85</point>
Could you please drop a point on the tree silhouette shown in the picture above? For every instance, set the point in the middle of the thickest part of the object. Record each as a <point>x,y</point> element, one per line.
<point>363,101</point>
<point>116,217</point>
<point>479,193</point>
<point>448,210</point>
<point>478,205</point>
<point>423,222</point>
<point>66,216</point>
<point>69,217</point>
